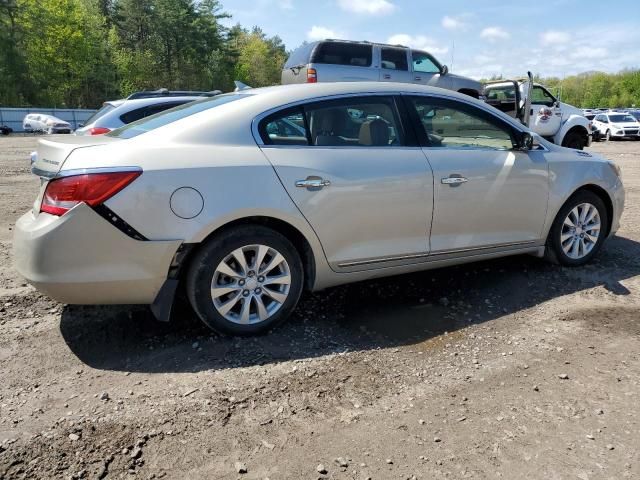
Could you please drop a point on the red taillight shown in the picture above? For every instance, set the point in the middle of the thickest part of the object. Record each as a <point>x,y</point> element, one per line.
<point>312,75</point>
<point>99,130</point>
<point>64,193</point>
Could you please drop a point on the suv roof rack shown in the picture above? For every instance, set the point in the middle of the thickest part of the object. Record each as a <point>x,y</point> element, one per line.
<point>363,41</point>
<point>163,92</point>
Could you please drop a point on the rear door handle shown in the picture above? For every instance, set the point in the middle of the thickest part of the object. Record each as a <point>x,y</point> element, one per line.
<point>418,78</point>
<point>313,183</point>
<point>453,181</point>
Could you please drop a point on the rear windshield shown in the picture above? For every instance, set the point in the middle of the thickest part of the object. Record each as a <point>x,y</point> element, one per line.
<point>300,56</point>
<point>169,116</point>
<point>343,53</point>
<point>106,108</point>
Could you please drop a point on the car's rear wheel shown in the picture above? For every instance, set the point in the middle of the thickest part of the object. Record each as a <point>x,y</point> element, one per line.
<point>245,281</point>
<point>578,230</point>
<point>575,140</point>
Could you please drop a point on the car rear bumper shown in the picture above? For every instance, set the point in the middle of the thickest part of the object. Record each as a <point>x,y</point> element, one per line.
<point>80,258</point>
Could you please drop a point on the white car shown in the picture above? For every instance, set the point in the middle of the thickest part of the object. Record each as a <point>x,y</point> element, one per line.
<point>40,122</point>
<point>116,113</point>
<point>616,125</point>
<point>244,200</point>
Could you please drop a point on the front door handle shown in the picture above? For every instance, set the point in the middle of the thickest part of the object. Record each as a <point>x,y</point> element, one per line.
<point>453,181</point>
<point>386,76</point>
<point>418,78</point>
<point>313,183</point>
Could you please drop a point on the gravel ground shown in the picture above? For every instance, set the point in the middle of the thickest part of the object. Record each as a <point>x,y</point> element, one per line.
<point>511,369</point>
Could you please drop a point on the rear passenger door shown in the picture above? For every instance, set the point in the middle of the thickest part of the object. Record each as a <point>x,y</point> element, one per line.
<point>394,65</point>
<point>362,183</point>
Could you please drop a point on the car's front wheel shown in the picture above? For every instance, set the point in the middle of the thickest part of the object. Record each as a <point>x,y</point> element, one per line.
<point>245,281</point>
<point>578,230</point>
<point>607,136</point>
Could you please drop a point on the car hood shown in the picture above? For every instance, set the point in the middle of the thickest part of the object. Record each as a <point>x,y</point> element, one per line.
<point>570,109</point>
<point>52,153</point>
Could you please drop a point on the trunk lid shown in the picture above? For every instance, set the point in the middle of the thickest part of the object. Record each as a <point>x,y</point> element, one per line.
<point>52,153</point>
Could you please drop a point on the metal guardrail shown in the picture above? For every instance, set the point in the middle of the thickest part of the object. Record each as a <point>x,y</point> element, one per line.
<point>12,117</point>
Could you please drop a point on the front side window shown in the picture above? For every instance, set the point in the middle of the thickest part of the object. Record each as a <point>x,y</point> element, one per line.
<point>343,53</point>
<point>450,124</point>
<point>394,59</point>
<point>424,63</point>
<point>367,122</point>
<point>539,96</point>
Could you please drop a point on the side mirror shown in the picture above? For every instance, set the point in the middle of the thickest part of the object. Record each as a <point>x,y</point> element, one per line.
<point>444,70</point>
<point>80,125</point>
<point>528,142</point>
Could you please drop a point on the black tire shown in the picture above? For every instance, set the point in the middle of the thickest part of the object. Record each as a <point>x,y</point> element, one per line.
<point>554,251</point>
<point>607,136</point>
<point>576,140</point>
<point>203,266</point>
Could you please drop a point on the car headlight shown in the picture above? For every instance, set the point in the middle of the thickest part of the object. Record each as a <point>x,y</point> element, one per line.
<point>615,167</point>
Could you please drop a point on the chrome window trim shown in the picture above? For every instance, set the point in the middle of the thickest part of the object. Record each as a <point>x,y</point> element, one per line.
<point>256,120</point>
<point>82,171</point>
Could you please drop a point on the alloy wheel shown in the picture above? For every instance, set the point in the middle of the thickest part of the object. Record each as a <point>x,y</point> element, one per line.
<point>251,284</point>
<point>580,231</point>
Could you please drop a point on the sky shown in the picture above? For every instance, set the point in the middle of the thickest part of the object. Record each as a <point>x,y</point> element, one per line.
<point>475,38</point>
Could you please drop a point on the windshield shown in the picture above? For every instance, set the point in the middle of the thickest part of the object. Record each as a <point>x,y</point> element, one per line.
<point>106,108</point>
<point>621,118</point>
<point>161,119</point>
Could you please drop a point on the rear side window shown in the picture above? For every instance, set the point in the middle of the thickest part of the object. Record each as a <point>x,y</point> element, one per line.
<point>343,53</point>
<point>352,122</point>
<point>394,59</point>
<point>147,111</point>
<point>106,108</point>
<point>285,128</point>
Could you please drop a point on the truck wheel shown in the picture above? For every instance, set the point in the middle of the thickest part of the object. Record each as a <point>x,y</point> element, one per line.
<point>574,140</point>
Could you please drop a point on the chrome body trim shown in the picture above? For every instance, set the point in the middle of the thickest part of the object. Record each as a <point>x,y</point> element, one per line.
<point>436,255</point>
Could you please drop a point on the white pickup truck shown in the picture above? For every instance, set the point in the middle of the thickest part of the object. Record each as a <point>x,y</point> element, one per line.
<point>536,107</point>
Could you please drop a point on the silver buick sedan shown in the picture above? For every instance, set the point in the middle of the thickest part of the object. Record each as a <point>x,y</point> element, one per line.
<point>244,200</point>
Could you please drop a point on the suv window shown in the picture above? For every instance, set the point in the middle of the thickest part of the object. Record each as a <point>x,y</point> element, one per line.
<point>358,122</point>
<point>300,56</point>
<point>450,124</point>
<point>424,63</point>
<point>539,96</point>
<point>343,53</point>
<point>394,59</point>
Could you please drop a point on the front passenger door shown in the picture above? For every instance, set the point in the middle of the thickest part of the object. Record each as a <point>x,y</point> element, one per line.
<point>487,194</point>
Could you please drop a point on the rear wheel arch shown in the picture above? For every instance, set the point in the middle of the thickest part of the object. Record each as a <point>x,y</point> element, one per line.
<point>287,230</point>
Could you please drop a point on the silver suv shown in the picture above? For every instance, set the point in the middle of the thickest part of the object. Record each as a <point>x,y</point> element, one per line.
<point>348,61</point>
